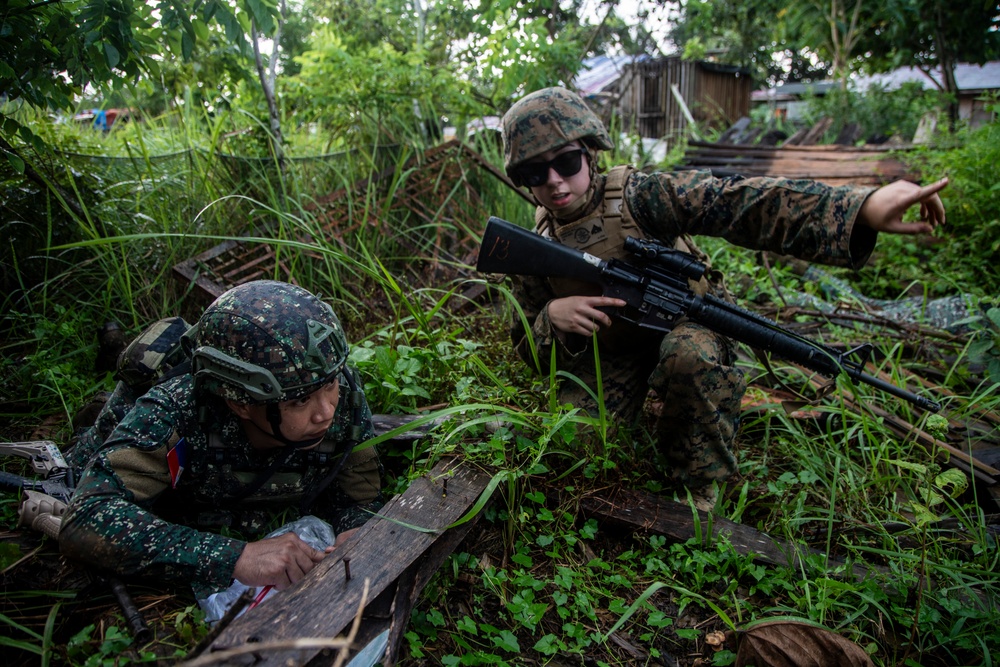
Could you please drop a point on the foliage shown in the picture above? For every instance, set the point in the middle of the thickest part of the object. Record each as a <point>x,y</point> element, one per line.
<point>376,92</point>
<point>55,359</point>
<point>881,112</point>
<point>758,35</point>
<point>413,369</point>
<point>972,200</point>
<point>782,40</point>
<point>985,348</point>
<point>91,42</point>
<point>106,44</point>
<point>933,33</point>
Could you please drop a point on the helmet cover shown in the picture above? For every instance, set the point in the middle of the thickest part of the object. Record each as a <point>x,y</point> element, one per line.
<point>267,341</point>
<point>545,120</point>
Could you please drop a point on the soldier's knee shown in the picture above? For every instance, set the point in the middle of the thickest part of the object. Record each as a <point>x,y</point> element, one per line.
<point>691,352</point>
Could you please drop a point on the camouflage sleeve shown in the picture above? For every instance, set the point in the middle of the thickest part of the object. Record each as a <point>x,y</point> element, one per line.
<point>93,437</point>
<point>109,524</point>
<point>805,219</point>
<point>533,295</point>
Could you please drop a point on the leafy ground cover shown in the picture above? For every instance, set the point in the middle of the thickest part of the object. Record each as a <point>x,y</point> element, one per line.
<point>538,581</point>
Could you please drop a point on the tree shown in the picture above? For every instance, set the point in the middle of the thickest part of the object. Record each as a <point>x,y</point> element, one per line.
<point>491,51</point>
<point>754,34</point>
<point>931,34</point>
<point>833,29</point>
<point>52,49</point>
<point>844,35</point>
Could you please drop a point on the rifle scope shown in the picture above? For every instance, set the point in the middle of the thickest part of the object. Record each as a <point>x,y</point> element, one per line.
<point>676,261</point>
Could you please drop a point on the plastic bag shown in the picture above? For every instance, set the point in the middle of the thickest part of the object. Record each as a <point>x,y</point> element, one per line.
<point>313,531</point>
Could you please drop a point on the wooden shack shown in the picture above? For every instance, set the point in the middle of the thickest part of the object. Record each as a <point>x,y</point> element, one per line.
<point>648,91</point>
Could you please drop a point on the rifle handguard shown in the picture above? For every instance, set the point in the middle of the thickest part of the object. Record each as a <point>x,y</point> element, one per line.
<point>42,513</point>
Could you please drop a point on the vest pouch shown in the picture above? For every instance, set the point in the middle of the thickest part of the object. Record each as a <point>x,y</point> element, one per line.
<point>153,354</point>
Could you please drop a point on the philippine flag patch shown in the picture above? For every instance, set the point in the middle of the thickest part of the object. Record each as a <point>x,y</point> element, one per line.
<point>177,461</point>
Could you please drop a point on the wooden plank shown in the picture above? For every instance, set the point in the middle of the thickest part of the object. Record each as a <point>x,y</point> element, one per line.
<point>817,131</point>
<point>325,602</point>
<point>676,521</point>
<point>731,134</point>
<point>817,149</point>
<point>392,612</point>
<point>766,152</point>
<point>849,134</point>
<point>804,166</point>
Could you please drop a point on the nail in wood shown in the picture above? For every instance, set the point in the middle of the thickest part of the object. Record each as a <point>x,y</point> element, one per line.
<point>347,569</point>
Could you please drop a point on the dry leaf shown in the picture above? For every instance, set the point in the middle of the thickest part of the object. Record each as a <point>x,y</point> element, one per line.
<point>797,644</point>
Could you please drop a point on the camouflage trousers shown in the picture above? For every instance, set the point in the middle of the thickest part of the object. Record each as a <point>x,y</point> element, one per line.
<point>695,376</point>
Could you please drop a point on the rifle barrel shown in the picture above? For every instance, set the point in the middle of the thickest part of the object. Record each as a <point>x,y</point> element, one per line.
<point>762,333</point>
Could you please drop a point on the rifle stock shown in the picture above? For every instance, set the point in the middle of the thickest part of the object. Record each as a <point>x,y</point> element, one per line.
<point>658,296</point>
<point>507,248</point>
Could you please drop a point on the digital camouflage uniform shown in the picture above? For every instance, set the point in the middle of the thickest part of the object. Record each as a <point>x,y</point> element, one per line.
<point>951,313</point>
<point>692,369</point>
<point>177,467</point>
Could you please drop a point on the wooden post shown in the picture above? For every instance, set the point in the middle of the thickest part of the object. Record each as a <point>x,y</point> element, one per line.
<point>324,603</point>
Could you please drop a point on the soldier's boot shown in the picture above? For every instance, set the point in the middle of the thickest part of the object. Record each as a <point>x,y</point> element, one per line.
<point>111,340</point>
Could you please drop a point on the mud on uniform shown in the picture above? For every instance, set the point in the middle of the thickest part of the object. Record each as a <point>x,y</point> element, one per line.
<point>692,369</point>
<point>136,511</point>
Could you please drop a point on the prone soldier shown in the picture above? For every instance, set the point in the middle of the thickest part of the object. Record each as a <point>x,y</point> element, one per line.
<point>267,416</point>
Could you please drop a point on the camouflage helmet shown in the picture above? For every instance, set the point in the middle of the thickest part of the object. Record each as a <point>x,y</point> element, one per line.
<point>265,342</point>
<point>545,120</point>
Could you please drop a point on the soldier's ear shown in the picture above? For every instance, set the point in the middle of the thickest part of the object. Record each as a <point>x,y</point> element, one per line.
<point>241,410</point>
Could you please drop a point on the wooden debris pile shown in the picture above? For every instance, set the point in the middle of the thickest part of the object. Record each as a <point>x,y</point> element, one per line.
<point>435,191</point>
<point>744,151</point>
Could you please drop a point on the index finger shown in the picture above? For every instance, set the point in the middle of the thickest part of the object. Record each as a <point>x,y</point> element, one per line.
<point>932,189</point>
<point>314,555</point>
<point>608,301</point>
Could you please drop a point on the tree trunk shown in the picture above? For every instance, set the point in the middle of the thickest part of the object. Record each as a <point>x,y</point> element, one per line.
<point>946,60</point>
<point>272,106</point>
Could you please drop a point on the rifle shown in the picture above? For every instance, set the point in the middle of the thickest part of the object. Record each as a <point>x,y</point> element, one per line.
<point>44,506</point>
<point>46,460</point>
<point>657,295</point>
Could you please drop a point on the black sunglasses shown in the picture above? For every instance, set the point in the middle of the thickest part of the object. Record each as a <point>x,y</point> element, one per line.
<point>566,164</point>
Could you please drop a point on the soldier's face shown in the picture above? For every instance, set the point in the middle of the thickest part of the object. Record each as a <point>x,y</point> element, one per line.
<point>302,419</point>
<point>562,188</point>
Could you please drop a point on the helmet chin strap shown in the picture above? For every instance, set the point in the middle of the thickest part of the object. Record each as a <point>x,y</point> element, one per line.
<point>273,414</point>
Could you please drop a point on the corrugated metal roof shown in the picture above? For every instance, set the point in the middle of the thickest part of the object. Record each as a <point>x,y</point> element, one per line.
<point>968,77</point>
<point>600,72</point>
<point>789,91</point>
